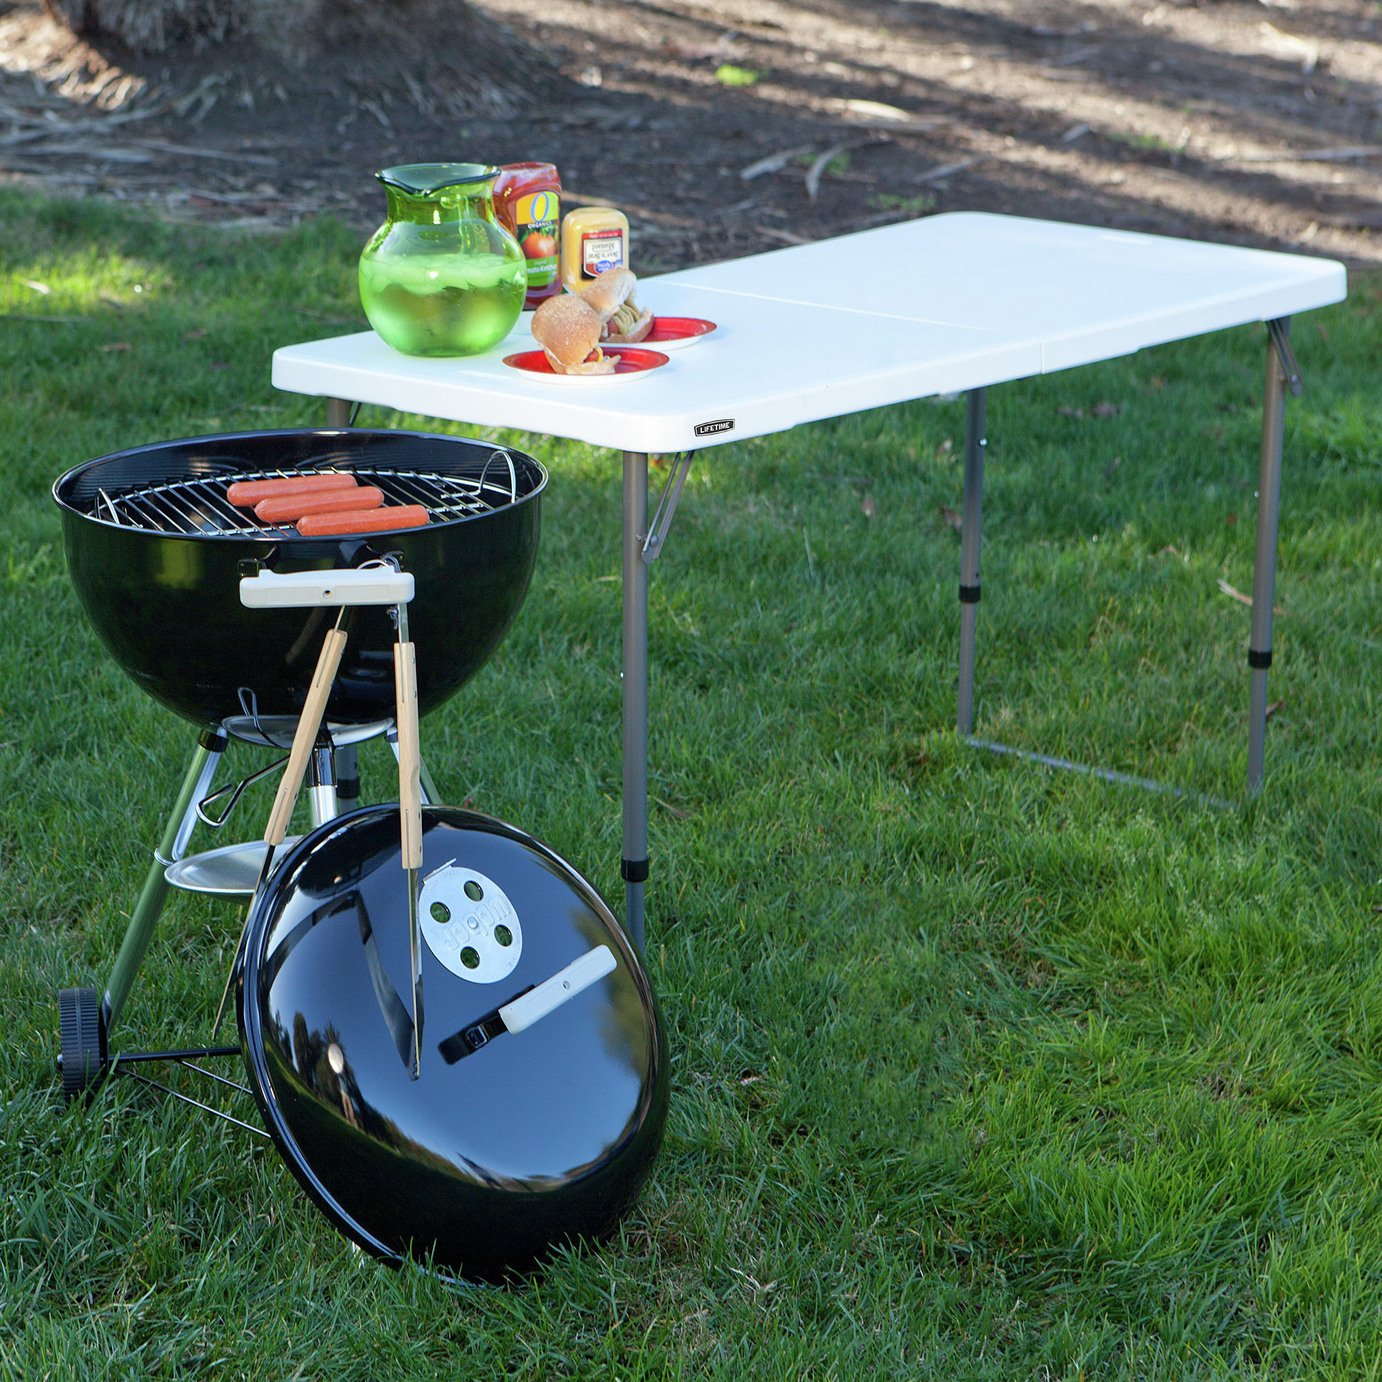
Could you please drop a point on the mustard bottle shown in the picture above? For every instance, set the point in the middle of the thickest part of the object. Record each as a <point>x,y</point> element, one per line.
<point>593,239</point>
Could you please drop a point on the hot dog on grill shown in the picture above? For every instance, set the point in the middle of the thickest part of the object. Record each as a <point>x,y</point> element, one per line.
<point>245,494</point>
<point>291,507</point>
<point>374,521</point>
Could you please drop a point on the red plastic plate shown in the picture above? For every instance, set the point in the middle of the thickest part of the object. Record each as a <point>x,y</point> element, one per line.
<point>629,363</point>
<point>671,333</point>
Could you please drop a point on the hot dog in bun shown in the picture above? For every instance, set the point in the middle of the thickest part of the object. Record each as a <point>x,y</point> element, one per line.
<point>611,295</point>
<point>572,327</point>
<point>568,330</point>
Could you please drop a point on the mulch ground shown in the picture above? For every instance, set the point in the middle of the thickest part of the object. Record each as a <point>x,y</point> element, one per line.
<point>728,126</point>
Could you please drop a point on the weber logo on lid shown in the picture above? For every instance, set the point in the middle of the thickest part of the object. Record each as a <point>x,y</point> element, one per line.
<point>708,429</point>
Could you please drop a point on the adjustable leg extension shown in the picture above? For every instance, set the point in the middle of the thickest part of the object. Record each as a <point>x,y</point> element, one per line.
<point>970,535</point>
<point>1282,374</point>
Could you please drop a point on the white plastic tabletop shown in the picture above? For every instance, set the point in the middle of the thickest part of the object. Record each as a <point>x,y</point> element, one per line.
<point>937,305</point>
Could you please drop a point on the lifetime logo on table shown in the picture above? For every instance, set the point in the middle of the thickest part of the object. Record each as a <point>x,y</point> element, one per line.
<point>708,429</point>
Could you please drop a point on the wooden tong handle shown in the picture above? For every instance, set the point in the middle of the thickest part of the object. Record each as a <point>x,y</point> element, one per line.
<point>306,736</point>
<point>409,755</point>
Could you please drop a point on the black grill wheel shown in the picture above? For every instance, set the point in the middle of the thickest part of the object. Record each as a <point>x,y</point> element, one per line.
<point>82,1032</point>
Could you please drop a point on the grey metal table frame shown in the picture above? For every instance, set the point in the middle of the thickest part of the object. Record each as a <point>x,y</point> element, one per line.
<point>643,539</point>
<point>1282,374</point>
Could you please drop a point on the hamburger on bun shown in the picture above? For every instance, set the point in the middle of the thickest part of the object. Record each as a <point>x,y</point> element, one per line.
<point>611,295</point>
<point>568,330</point>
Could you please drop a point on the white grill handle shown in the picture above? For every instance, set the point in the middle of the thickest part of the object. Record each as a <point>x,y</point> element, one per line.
<point>301,589</point>
<point>563,986</point>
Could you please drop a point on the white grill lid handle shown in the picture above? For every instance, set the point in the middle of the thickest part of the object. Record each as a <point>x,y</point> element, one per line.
<point>302,589</point>
<point>563,986</point>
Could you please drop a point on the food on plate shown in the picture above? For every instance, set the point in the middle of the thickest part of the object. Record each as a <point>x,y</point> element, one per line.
<point>568,330</point>
<point>573,329</point>
<point>611,295</point>
<point>288,508</point>
<point>245,494</point>
<point>373,521</point>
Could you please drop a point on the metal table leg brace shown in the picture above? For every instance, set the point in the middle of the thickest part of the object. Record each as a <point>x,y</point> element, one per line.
<point>1282,373</point>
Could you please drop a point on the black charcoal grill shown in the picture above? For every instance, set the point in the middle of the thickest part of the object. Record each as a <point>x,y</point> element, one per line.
<point>156,553</point>
<point>521,1105</point>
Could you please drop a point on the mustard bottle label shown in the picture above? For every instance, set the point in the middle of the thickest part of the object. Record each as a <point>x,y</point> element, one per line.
<point>601,250</point>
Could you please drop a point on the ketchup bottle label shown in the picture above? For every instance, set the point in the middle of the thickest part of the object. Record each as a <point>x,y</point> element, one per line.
<point>535,219</point>
<point>601,250</point>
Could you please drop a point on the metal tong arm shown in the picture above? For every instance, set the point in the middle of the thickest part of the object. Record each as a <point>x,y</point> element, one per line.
<point>290,784</point>
<point>410,811</point>
<point>409,754</point>
<point>375,584</point>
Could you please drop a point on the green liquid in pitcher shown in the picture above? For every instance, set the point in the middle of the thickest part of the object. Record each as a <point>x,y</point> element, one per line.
<point>445,303</point>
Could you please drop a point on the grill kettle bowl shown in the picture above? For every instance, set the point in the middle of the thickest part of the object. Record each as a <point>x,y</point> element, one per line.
<point>166,604</point>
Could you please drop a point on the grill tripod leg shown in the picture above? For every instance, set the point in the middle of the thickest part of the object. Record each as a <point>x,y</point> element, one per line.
<point>178,831</point>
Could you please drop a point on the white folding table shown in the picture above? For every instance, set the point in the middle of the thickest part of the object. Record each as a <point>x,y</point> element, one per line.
<point>948,304</point>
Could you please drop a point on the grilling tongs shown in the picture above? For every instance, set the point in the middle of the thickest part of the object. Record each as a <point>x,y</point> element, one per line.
<point>410,809</point>
<point>381,584</point>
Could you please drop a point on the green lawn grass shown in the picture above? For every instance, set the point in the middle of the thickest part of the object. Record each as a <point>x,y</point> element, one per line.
<point>981,1071</point>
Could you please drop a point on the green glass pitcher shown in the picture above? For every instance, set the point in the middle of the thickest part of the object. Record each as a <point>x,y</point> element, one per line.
<point>441,276</point>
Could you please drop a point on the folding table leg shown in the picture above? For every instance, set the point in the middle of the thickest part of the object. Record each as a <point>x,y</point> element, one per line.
<point>970,541</point>
<point>337,412</point>
<point>1282,375</point>
<point>1279,359</point>
<point>970,533</point>
<point>635,692</point>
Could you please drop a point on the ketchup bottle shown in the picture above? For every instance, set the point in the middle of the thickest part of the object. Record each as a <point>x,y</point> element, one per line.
<point>527,200</point>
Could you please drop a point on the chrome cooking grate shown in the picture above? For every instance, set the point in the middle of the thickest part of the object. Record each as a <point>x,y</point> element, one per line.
<point>199,507</point>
